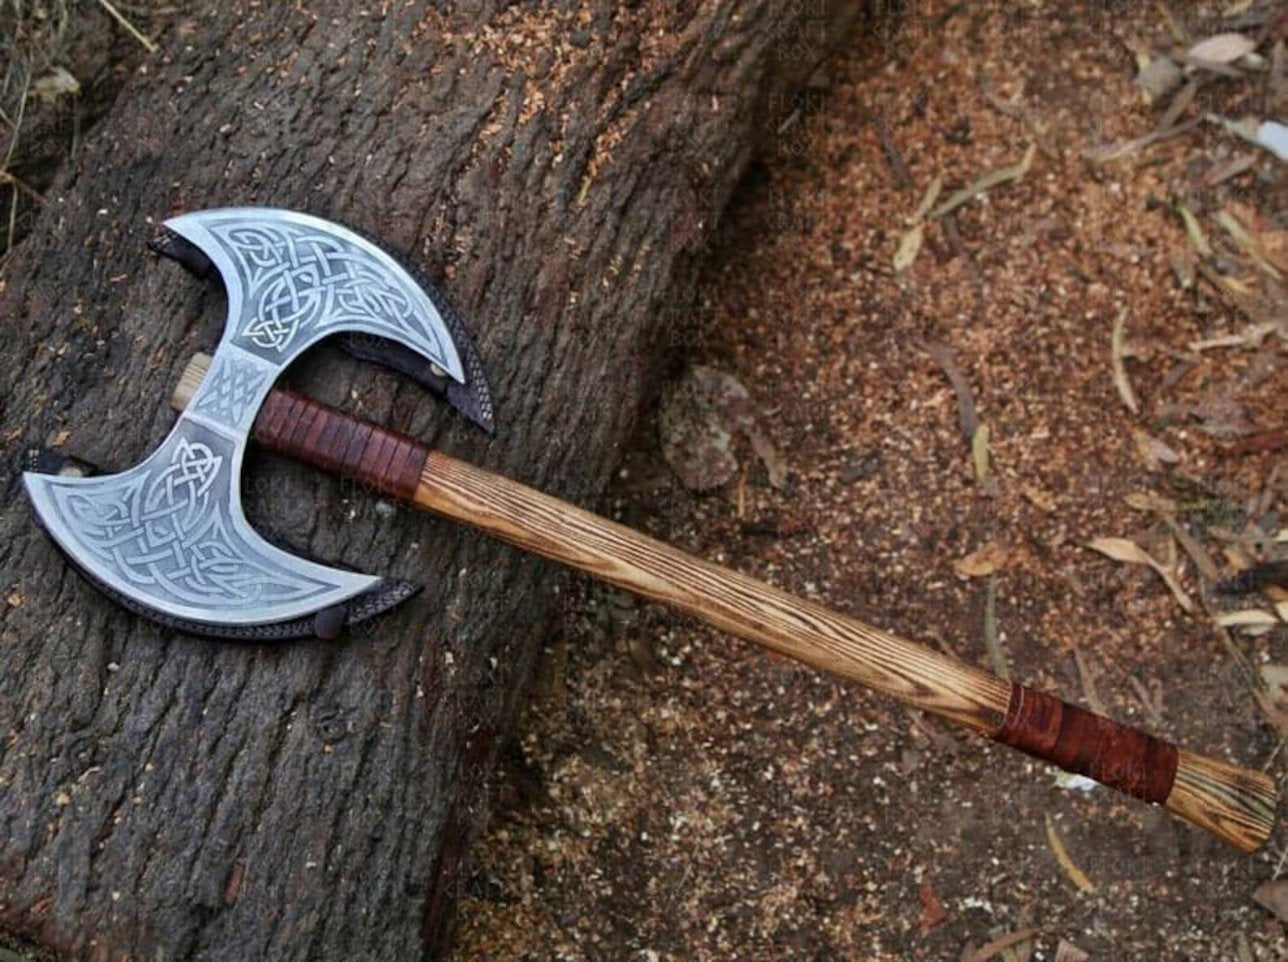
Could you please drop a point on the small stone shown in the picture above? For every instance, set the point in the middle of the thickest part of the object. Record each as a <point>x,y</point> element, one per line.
<point>861,468</point>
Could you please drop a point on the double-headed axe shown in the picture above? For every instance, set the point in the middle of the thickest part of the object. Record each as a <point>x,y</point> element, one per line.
<point>168,538</point>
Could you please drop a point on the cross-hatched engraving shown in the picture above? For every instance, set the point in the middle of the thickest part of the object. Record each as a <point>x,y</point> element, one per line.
<point>228,390</point>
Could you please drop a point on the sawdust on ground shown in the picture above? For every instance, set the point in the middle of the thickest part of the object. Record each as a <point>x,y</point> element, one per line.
<point>674,794</point>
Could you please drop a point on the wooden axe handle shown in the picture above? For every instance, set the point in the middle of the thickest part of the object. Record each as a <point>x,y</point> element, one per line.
<point>1233,803</point>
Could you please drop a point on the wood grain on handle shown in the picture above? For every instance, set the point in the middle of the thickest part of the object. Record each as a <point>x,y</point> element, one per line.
<point>1235,804</point>
<point>734,602</point>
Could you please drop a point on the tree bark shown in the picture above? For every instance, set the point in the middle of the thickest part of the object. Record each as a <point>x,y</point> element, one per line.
<point>556,168</point>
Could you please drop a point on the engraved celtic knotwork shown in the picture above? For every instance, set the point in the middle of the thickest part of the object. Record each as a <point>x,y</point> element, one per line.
<point>298,282</point>
<point>228,390</point>
<point>167,530</point>
<point>168,535</point>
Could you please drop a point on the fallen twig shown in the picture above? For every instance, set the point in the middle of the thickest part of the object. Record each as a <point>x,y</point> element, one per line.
<point>128,27</point>
<point>992,179</point>
<point>1000,944</point>
<point>942,355</point>
<point>1076,875</point>
<point>996,656</point>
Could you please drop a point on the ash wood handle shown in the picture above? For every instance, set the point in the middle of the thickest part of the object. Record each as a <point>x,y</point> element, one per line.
<point>1235,804</point>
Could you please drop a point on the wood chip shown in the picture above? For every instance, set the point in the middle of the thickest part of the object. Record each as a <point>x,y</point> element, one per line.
<point>1246,617</point>
<point>1076,875</point>
<point>989,559</point>
<point>1250,338</point>
<point>1038,497</point>
<point>979,452</point>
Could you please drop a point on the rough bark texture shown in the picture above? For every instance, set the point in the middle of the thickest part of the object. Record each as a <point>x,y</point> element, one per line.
<point>554,167</point>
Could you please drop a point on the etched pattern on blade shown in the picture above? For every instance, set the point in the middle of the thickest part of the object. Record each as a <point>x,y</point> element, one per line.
<point>169,531</point>
<point>299,283</point>
<point>229,389</point>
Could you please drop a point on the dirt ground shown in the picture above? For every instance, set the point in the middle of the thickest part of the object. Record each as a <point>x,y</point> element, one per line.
<point>675,794</point>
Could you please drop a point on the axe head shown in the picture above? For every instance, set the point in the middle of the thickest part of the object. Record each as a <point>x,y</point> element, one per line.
<point>168,538</point>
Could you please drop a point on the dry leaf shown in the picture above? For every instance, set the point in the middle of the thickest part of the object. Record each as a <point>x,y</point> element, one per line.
<point>1068,952</point>
<point>1275,678</point>
<point>1128,552</point>
<point>1274,713</point>
<point>909,247</point>
<point>1198,239</point>
<point>1116,363</point>
<point>1158,78</point>
<point>1121,549</point>
<point>1223,48</point>
<point>775,466</point>
<point>1248,242</point>
<point>1153,451</point>
<point>57,83</point>
<point>928,199</point>
<point>1207,567</point>
<point>1273,136</point>
<point>988,559</point>
<point>1076,875</point>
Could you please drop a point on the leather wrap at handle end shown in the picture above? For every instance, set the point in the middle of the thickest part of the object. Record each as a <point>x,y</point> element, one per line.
<point>1233,803</point>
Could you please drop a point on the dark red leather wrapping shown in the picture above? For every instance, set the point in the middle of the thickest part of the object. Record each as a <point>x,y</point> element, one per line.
<point>1088,744</point>
<point>340,443</point>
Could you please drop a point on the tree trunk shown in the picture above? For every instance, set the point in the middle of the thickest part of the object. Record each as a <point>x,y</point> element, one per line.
<point>165,797</point>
